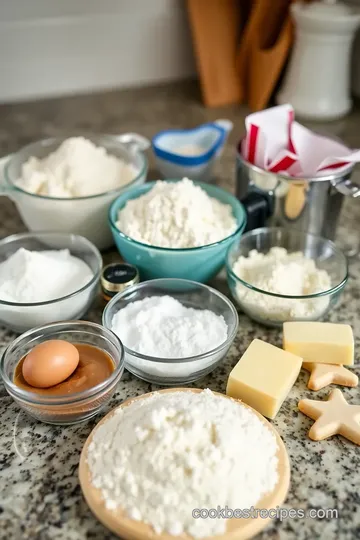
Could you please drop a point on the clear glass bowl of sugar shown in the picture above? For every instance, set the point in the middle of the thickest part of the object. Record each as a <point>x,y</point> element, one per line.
<point>20,317</point>
<point>175,371</point>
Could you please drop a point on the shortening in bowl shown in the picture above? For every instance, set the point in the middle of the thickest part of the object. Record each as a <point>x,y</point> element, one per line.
<point>278,275</point>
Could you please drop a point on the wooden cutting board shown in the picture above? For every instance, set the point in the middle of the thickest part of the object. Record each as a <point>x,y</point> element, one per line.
<point>246,43</point>
<point>266,67</point>
<point>128,529</point>
<point>215,26</point>
<point>263,50</point>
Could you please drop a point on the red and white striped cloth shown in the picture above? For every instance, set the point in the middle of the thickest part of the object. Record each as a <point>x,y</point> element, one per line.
<point>275,142</point>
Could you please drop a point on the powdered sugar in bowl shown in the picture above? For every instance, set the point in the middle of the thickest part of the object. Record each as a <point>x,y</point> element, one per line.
<point>46,277</point>
<point>174,331</point>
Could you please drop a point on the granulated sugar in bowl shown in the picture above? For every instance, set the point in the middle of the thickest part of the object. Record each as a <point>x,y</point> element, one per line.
<point>46,277</point>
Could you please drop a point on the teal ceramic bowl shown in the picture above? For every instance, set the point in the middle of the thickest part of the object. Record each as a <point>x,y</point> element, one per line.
<point>198,264</point>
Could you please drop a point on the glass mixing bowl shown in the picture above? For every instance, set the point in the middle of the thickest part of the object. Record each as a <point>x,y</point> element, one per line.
<point>70,408</point>
<point>86,216</point>
<point>176,371</point>
<point>279,307</point>
<point>22,317</point>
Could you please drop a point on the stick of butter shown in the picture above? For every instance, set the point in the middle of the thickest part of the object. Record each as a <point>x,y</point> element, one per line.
<point>325,343</point>
<point>263,377</point>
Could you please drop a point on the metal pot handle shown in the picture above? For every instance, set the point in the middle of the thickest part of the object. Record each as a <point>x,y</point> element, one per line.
<point>347,187</point>
<point>134,141</point>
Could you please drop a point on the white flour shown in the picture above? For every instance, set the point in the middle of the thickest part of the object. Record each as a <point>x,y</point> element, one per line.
<point>39,276</point>
<point>162,327</point>
<point>289,274</point>
<point>176,215</point>
<point>77,168</point>
<point>166,455</point>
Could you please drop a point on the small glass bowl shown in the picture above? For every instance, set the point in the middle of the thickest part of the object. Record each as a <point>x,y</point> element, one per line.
<point>175,371</point>
<point>250,299</point>
<point>22,317</point>
<point>67,409</point>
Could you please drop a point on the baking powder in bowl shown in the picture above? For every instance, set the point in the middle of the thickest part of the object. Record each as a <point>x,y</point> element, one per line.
<point>162,327</point>
<point>166,455</point>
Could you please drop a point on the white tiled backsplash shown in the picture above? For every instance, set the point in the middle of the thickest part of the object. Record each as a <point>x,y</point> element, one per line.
<point>53,47</point>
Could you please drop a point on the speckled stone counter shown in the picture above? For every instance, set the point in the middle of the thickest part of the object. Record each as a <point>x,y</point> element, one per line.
<point>40,497</point>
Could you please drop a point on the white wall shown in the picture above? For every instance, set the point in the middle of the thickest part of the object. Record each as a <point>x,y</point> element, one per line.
<point>54,47</point>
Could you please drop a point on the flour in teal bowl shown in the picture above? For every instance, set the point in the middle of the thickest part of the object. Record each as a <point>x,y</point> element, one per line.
<point>176,215</point>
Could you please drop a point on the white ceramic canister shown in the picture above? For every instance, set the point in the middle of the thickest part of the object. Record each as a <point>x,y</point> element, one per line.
<point>355,64</point>
<point>317,82</point>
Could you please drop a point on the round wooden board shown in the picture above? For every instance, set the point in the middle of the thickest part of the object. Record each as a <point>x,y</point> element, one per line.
<point>129,529</point>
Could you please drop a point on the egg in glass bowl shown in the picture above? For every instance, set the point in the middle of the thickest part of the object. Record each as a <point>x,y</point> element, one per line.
<point>63,403</point>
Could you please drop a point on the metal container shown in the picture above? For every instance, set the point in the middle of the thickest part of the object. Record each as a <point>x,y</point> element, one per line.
<point>311,205</point>
<point>116,277</point>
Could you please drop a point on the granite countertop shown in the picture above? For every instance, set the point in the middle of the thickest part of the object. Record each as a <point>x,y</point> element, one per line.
<point>40,497</point>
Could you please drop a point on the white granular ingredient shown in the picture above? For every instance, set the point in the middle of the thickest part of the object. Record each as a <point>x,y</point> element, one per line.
<point>190,150</point>
<point>39,276</point>
<point>164,456</point>
<point>280,272</point>
<point>176,215</point>
<point>78,168</point>
<point>161,326</point>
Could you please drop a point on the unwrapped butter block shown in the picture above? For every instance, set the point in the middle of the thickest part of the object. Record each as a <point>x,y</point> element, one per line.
<point>325,343</point>
<point>263,377</point>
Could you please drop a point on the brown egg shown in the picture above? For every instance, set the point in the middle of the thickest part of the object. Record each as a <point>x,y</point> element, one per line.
<point>50,363</point>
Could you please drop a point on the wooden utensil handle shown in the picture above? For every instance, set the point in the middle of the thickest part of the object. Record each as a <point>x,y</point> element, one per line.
<point>215,27</point>
<point>274,15</point>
